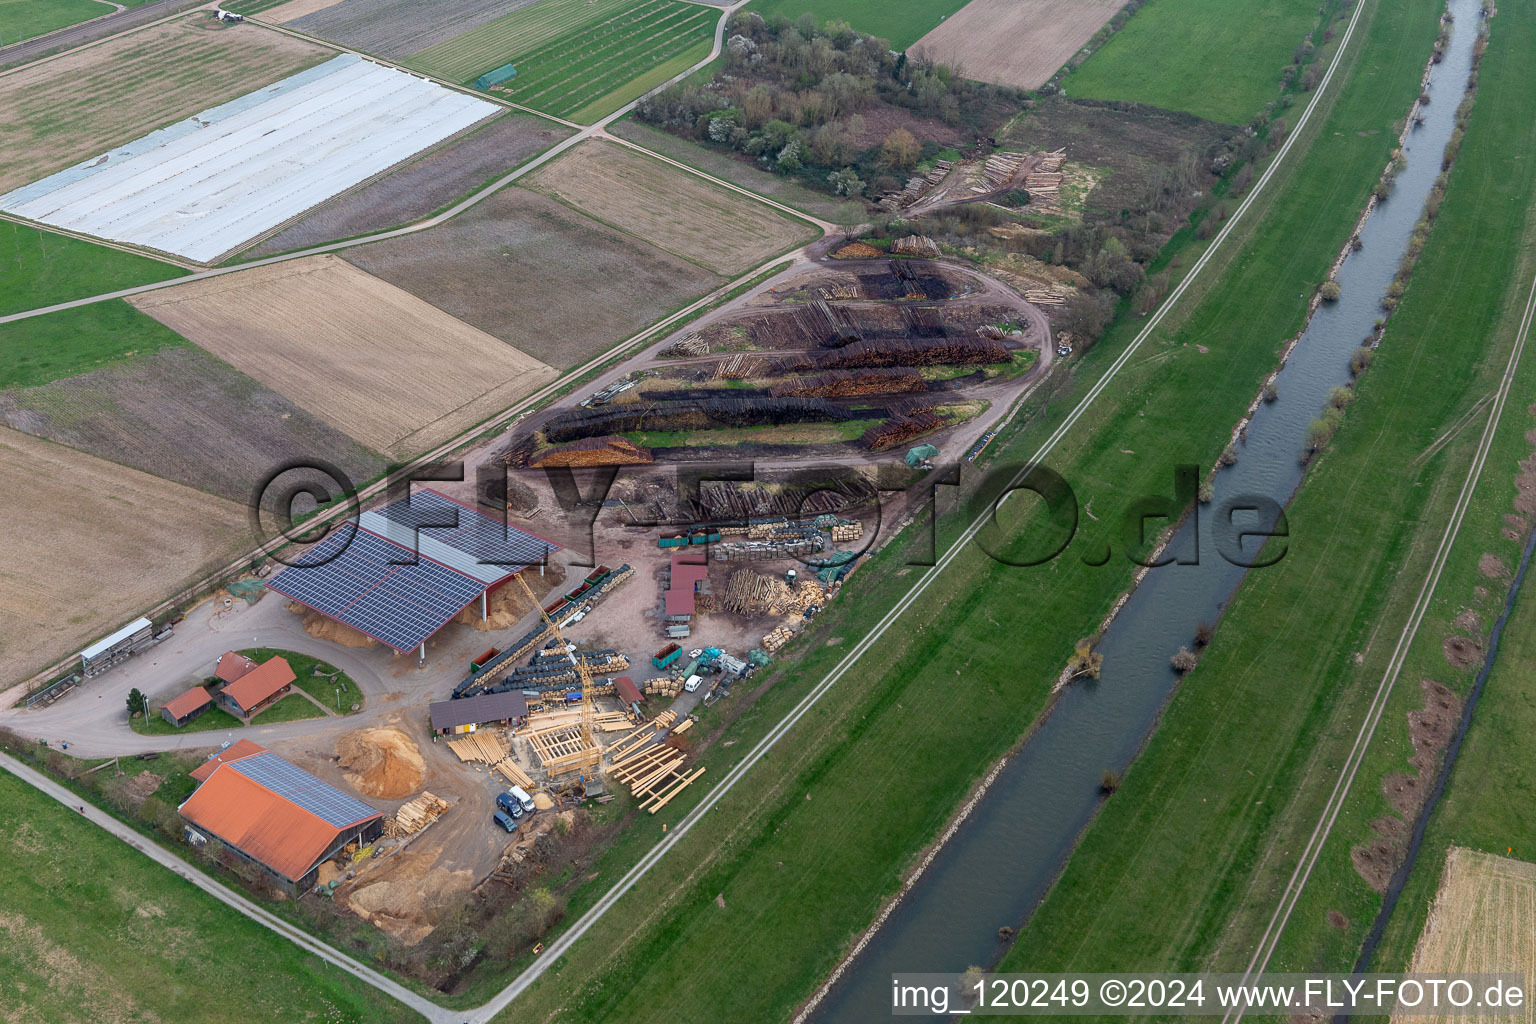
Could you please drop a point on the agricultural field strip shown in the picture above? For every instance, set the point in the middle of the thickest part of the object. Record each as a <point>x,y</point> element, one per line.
<point>495,43</point>
<point>1336,799</point>
<point>567,939</point>
<point>223,894</point>
<point>596,88</point>
<point>557,948</point>
<point>1021,43</point>
<point>221,177</point>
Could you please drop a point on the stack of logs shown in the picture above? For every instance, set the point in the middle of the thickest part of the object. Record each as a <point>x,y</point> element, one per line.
<point>777,638</point>
<point>414,816</point>
<point>851,383</point>
<point>900,429</point>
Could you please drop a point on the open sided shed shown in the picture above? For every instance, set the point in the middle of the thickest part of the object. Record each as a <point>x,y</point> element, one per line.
<point>405,570</point>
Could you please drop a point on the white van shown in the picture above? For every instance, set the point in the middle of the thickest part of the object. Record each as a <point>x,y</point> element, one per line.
<point>521,796</point>
<point>693,683</point>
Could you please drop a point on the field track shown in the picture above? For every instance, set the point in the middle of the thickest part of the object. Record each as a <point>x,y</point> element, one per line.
<point>1021,43</point>
<point>392,372</point>
<point>56,114</point>
<point>723,231</point>
<point>1483,921</point>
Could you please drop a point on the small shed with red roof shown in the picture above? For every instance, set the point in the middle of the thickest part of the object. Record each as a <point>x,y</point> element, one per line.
<point>186,707</point>
<point>256,689</point>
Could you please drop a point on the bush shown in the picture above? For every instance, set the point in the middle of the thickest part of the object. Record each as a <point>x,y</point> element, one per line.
<point>1109,782</point>
<point>1360,361</point>
<point>1228,456</point>
<point>1330,291</point>
<point>1340,398</point>
<point>1184,660</point>
<point>1203,634</point>
<point>1271,391</point>
<point>1206,493</point>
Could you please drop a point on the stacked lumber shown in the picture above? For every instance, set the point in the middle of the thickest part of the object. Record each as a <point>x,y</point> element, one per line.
<point>697,414</point>
<point>550,719</point>
<point>1052,161</point>
<point>654,775</point>
<point>960,348</point>
<point>777,638</point>
<point>1000,168</point>
<point>1046,296</point>
<point>611,450</point>
<point>848,531</point>
<point>693,346</point>
<point>612,721</point>
<point>740,366</point>
<point>484,747</point>
<point>1045,184</point>
<point>514,774</point>
<point>857,251</point>
<point>417,814</point>
<point>916,245</point>
<point>683,727</point>
<point>852,383</point>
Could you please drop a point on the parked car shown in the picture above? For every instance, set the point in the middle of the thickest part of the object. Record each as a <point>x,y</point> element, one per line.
<point>505,820</point>
<point>693,683</point>
<point>519,794</point>
<point>509,804</point>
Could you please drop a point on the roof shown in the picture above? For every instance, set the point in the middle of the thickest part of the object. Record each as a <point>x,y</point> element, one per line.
<point>193,700</point>
<point>232,666</point>
<point>405,570</point>
<point>680,602</point>
<point>488,707</point>
<point>105,644</point>
<point>260,683</point>
<point>628,692</point>
<point>274,811</point>
<point>242,748</point>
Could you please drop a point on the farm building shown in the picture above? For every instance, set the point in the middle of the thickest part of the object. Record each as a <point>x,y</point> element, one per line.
<point>400,574</point>
<point>257,688</point>
<point>456,716</point>
<point>274,814</point>
<point>232,666</point>
<point>626,690</point>
<point>186,707</point>
<point>688,569</point>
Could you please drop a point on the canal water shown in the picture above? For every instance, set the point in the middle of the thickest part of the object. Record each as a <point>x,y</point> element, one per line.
<point>999,864</point>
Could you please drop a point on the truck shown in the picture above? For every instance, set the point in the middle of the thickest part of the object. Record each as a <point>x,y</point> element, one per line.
<point>506,821</point>
<point>667,655</point>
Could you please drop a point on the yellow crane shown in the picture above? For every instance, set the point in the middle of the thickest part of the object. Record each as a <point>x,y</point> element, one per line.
<point>583,675</point>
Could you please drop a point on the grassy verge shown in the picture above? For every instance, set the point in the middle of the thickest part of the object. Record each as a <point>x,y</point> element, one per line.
<point>292,708</point>
<point>40,268</point>
<point>94,929</point>
<point>319,679</point>
<point>1182,868</point>
<point>213,720</point>
<point>901,22</point>
<point>71,341</point>
<point>804,851</point>
<point>1147,60</point>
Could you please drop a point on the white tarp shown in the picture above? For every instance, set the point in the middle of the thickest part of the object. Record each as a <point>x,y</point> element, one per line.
<point>233,172</point>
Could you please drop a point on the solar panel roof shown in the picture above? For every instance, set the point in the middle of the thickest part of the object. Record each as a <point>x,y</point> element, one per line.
<point>482,546</point>
<point>363,585</point>
<point>293,783</point>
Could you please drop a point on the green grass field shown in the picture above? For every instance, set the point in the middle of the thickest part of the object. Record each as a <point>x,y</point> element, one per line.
<point>71,341</point>
<point>213,720</point>
<point>292,708</point>
<point>805,850</point>
<point>25,19</point>
<point>1218,60</point>
<point>900,22</point>
<point>1183,867</point>
<point>40,268</point>
<point>92,930</point>
<point>321,687</point>
<point>250,7</point>
<point>583,74</point>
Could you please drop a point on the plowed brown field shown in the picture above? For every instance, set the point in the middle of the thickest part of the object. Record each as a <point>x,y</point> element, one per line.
<point>90,544</point>
<point>1483,921</point>
<point>389,370</point>
<point>672,209</point>
<point>1021,43</point>
<point>63,111</point>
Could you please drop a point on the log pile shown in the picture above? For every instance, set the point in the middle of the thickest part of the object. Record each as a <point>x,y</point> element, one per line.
<point>777,638</point>
<point>1045,296</point>
<point>692,346</point>
<point>900,429</point>
<point>959,349</point>
<point>916,245</point>
<point>697,415</point>
<point>851,383</point>
<point>611,450</point>
<point>857,251</point>
<point>728,500</point>
<point>740,366</point>
<point>416,815</point>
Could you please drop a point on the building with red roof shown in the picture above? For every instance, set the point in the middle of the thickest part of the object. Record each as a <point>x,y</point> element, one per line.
<point>186,707</point>
<point>256,689</point>
<point>626,690</point>
<point>232,666</point>
<point>275,815</point>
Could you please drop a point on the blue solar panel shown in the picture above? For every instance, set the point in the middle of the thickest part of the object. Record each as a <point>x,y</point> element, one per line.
<point>293,783</point>
<point>365,587</point>
<point>489,540</point>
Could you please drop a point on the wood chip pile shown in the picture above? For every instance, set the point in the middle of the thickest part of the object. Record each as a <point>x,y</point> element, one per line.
<point>857,251</point>
<point>610,450</point>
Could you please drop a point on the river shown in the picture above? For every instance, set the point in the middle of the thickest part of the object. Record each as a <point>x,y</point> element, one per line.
<point>998,866</point>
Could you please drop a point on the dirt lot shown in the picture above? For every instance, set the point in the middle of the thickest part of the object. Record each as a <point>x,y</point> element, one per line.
<point>536,274</point>
<point>421,188</point>
<point>1480,922</point>
<point>67,110</point>
<point>395,374</point>
<point>89,544</point>
<point>399,28</point>
<point>726,232</point>
<point>1020,43</point>
<point>183,415</point>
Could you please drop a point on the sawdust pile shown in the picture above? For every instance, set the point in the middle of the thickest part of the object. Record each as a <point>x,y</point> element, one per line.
<point>503,610</point>
<point>406,903</point>
<point>381,762</point>
<point>322,628</point>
